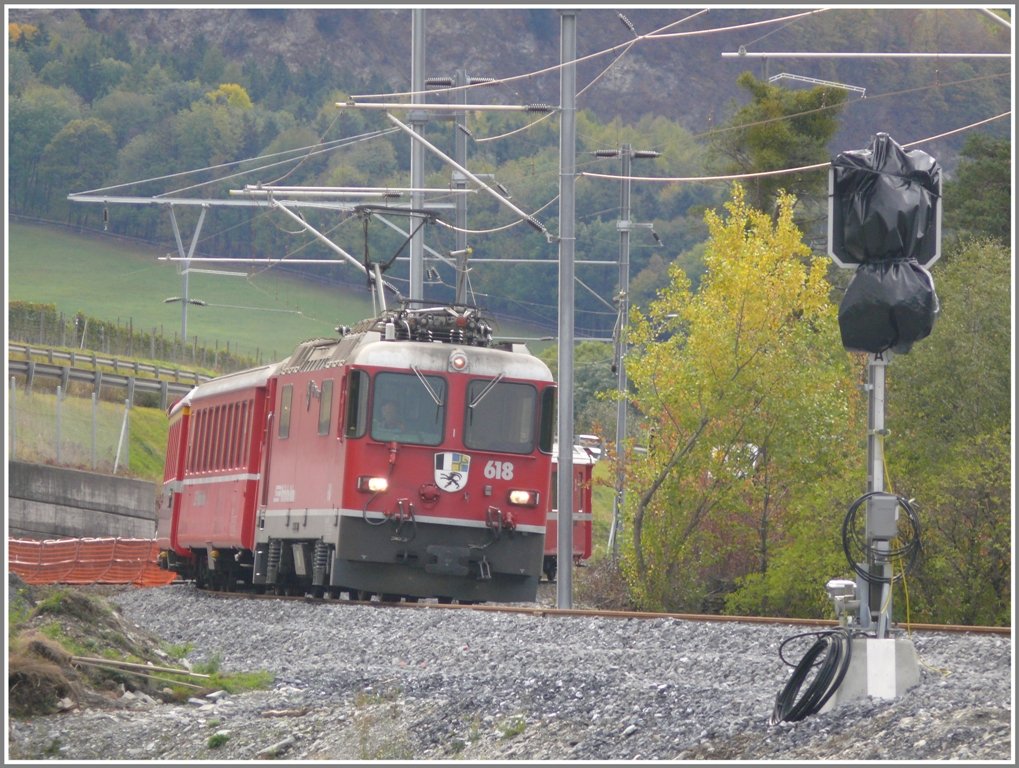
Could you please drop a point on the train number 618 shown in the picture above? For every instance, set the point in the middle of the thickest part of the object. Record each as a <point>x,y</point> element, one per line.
<point>499,470</point>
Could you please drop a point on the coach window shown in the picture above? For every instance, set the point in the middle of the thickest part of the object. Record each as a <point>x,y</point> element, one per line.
<point>231,431</point>
<point>203,419</point>
<point>210,438</point>
<point>407,408</point>
<point>501,416</point>
<point>193,442</point>
<point>286,402</point>
<point>222,436</point>
<point>203,455</point>
<point>325,407</point>
<point>357,404</point>
<point>216,462</point>
<point>243,439</point>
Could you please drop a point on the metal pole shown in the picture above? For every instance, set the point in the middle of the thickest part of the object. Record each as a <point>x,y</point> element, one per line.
<point>187,266</point>
<point>567,244</point>
<point>624,288</point>
<point>13,431</point>
<point>460,78</point>
<point>417,152</point>
<point>59,404</point>
<point>878,593</point>
<point>95,408</point>
<point>123,442</point>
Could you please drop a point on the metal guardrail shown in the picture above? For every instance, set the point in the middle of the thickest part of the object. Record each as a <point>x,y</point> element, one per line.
<point>98,378</point>
<point>74,357</point>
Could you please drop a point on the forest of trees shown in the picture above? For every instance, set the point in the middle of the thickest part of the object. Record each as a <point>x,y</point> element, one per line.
<point>91,111</point>
<point>755,421</point>
<point>90,107</point>
<point>733,333</point>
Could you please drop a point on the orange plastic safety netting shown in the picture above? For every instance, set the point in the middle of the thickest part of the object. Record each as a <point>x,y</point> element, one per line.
<point>87,561</point>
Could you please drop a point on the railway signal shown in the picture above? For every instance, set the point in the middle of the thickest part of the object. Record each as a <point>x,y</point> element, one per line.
<point>884,223</point>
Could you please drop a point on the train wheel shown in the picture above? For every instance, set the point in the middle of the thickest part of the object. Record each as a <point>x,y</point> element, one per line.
<point>361,594</point>
<point>317,591</point>
<point>388,598</point>
<point>445,600</point>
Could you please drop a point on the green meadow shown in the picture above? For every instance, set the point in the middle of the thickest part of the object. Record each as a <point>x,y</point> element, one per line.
<point>252,309</point>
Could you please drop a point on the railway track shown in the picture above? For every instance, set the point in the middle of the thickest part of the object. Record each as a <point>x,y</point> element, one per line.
<point>554,612</point>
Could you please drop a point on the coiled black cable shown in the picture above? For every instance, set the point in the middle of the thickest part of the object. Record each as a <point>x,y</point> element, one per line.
<point>831,670</point>
<point>909,549</point>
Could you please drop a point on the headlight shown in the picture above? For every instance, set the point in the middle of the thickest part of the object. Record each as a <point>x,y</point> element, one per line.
<point>524,498</point>
<point>457,361</point>
<point>372,484</point>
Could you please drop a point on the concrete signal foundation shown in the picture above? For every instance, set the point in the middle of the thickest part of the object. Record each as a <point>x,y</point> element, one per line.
<point>882,668</point>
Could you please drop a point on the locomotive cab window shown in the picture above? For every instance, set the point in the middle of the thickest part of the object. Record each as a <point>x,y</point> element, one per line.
<point>500,416</point>
<point>357,404</point>
<point>407,408</point>
<point>548,420</point>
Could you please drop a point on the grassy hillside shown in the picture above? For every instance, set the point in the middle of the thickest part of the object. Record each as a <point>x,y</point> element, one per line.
<point>259,310</point>
<point>109,279</point>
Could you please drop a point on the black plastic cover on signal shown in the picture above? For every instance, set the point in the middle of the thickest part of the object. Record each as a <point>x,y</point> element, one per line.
<point>885,204</point>
<point>884,212</point>
<point>888,306</point>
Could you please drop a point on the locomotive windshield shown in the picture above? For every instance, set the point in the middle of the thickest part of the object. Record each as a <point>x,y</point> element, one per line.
<point>500,416</point>
<point>406,411</point>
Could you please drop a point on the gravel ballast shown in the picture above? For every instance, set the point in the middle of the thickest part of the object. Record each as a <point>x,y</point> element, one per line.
<point>365,682</point>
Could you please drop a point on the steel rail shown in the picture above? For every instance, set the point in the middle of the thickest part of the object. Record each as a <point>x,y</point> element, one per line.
<point>549,612</point>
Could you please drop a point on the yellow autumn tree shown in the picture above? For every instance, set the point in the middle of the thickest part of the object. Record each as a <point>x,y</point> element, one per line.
<point>231,94</point>
<point>749,395</point>
<point>18,32</point>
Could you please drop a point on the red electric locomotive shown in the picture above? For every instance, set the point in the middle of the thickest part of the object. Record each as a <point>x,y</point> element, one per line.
<point>584,459</point>
<point>409,457</point>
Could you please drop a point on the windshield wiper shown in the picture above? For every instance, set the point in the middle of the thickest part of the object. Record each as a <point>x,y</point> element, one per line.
<point>428,387</point>
<point>486,390</point>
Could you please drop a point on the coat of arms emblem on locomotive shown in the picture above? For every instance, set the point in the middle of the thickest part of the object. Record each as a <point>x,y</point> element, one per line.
<point>451,470</point>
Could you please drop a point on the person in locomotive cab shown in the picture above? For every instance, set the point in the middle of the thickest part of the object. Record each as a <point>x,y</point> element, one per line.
<point>389,421</point>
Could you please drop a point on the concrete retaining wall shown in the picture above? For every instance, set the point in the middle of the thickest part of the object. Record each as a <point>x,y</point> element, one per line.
<point>45,502</point>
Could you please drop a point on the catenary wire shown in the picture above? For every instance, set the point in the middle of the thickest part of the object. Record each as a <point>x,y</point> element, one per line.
<point>782,171</point>
<point>594,80</point>
<point>657,35</point>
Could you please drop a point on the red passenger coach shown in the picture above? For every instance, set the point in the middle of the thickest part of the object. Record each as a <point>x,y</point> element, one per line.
<point>410,457</point>
<point>584,460</point>
<point>214,454</point>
